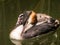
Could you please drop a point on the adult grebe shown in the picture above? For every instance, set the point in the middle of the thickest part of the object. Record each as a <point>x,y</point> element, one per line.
<point>16,34</point>
<point>31,24</point>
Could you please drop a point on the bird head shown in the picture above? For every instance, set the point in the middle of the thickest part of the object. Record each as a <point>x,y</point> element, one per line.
<point>23,17</point>
<point>42,17</point>
<point>47,19</point>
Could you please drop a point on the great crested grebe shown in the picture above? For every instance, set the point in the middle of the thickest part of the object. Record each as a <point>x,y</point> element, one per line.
<point>31,24</point>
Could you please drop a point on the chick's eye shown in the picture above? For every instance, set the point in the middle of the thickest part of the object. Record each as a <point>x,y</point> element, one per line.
<point>40,16</point>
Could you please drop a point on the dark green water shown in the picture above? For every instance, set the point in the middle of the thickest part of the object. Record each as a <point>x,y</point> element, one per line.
<point>10,9</point>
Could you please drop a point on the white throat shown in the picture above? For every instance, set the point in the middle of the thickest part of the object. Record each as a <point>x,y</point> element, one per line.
<point>16,33</point>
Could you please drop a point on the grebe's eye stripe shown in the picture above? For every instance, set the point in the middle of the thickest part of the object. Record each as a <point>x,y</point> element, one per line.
<point>20,15</point>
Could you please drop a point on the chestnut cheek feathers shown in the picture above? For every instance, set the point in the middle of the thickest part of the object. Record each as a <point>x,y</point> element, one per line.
<point>32,18</point>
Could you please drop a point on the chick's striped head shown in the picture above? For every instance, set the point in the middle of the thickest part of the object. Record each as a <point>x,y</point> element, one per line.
<point>23,18</point>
